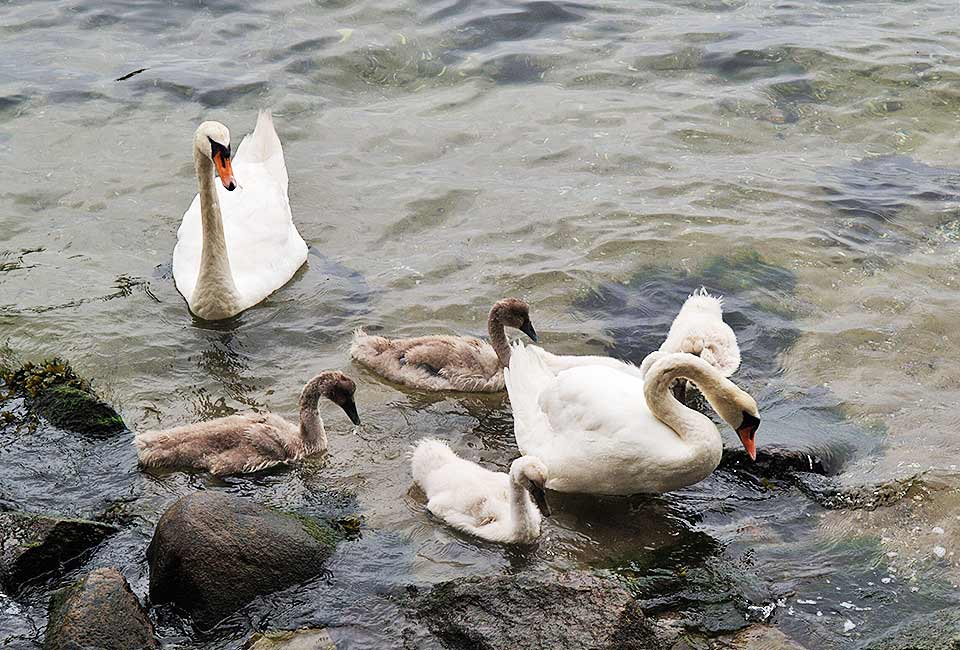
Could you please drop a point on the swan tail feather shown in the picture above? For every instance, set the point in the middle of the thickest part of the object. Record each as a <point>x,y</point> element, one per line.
<point>263,147</point>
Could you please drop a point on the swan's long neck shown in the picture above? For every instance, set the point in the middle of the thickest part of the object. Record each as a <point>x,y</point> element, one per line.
<point>312,433</point>
<point>524,526</point>
<point>215,289</point>
<point>691,426</point>
<point>498,339</point>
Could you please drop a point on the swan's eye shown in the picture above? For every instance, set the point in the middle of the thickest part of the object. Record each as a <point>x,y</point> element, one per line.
<point>218,149</point>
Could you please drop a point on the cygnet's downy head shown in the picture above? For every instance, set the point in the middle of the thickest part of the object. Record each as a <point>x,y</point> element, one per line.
<point>213,140</point>
<point>531,474</point>
<point>336,387</point>
<point>513,312</point>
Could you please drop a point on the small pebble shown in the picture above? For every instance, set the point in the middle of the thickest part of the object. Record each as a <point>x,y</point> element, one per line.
<point>939,551</point>
<point>848,625</point>
<point>937,530</point>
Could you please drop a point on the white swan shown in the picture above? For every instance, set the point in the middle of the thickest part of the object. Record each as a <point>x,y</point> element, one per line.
<point>250,442</point>
<point>506,508</point>
<point>225,264</point>
<point>601,430</point>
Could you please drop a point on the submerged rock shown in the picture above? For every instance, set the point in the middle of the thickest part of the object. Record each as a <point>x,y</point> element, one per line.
<point>763,637</point>
<point>775,462</point>
<point>54,391</point>
<point>36,546</point>
<point>100,611</point>
<point>291,640</point>
<point>937,631</point>
<point>212,553</point>
<point>829,492</point>
<point>572,610</point>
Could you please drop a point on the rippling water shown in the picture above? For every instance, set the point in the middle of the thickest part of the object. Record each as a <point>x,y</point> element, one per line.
<point>599,160</point>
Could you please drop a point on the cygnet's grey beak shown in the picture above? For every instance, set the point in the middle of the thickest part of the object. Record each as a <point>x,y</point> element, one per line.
<point>539,496</point>
<point>527,328</point>
<point>350,408</point>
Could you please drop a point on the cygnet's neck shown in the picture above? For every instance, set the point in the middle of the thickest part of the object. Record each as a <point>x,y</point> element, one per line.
<point>312,433</point>
<point>498,338</point>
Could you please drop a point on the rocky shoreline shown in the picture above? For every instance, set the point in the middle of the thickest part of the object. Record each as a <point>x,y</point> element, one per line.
<point>212,554</point>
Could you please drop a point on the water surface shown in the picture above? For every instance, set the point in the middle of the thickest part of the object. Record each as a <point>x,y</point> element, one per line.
<point>599,160</point>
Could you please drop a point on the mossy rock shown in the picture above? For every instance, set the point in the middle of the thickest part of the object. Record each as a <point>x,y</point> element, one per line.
<point>213,553</point>
<point>31,379</point>
<point>55,392</point>
<point>76,410</point>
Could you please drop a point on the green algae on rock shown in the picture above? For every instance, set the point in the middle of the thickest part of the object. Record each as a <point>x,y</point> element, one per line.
<point>55,392</point>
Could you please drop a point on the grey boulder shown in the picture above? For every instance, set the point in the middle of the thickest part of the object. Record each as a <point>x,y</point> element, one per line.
<point>576,610</point>
<point>212,553</point>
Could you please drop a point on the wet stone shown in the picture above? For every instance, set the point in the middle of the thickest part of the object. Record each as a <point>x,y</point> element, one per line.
<point>35,547</point>
<point>212,553</point>
<point>99,611</point>
<point>570,610</point>
<point>829,492</point>
<point>291,640</point>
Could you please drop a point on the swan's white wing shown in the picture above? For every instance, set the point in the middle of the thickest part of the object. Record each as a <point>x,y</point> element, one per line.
<point>591,426</point>
<point>556,362</point>
<point>263,146</point>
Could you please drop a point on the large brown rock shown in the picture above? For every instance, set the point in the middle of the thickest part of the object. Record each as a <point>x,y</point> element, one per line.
<point>212,553</point>
<point>100,611</point>
<point>575,610</point>
<point>35,547</point>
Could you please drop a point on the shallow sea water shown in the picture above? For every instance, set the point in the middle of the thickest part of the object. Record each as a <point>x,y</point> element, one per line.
<point>600,160</point>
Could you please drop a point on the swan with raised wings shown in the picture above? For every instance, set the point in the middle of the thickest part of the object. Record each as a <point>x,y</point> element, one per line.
<point>601,430</point>
<point>250,442</point>
<point>505,508</point>
<point>237,243</point>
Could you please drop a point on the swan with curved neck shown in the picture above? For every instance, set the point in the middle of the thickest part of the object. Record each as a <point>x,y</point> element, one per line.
<point>457,363</point>
<point>505,508</point>
<point>237,243</point>
<point>250,442</point>
<point>604,431</point>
